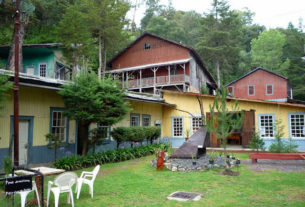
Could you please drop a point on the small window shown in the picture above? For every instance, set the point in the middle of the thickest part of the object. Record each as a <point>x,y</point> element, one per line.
<point>134,119</point>
<point>105,131</point>
<point>196,124</point>
<point>58,122</point>
<point>42,70</point>
<point>231,90</point>
<point>145,120</point>
<point>251,90</point>
<point>269,89</point>
<point>177,124</point>
<point>30,70</point>
<point>297,125</point>
<point>146,46</point>
<point>266,126</point>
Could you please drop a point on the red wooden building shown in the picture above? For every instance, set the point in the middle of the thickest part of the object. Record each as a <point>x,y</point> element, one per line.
<point>261,84</point>
<point>151,63</point>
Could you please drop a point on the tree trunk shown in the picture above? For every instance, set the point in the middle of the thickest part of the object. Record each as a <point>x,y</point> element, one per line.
<point>99,70</point>
<point>83,135</point>
<point>218,72</point>
<point>201,109</point>
<point>11,57</point>
<point>105,62</point>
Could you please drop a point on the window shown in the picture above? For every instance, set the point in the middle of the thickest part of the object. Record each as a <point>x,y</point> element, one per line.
<point>30,70</point>
<point>297,125</point>
<point>177,126</point>
<point>59,123</point>
<point>231,90</point>
<point>251,90</point>
<point>42,70</point>
<point>145,120</point>
<point>146,46</point>
<point>196,124</point>
<point>105,131</point>
<point>134,119</point>
<point>269,89</point>
<point>266,126</point>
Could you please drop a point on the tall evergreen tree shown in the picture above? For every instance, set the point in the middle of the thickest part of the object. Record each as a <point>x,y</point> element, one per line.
<point>89,100</point>
<point>4,86</point>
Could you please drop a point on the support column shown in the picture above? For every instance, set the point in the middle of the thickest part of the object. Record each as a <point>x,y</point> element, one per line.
<point>140,81</point>
<point>155,80</point>
<point>123,82</point>
<point>127,85</point>
<point>169,74</point>
<point>183,66</point>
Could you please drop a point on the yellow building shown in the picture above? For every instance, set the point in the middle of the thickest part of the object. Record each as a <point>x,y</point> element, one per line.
<point>261,114</point>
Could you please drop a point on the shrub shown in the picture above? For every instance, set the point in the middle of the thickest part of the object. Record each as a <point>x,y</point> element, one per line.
<point>75,162</point>
<point>120,134</point>
<point>257,143</point>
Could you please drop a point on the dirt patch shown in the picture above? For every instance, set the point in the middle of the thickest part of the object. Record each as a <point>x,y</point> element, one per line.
<point>262,166</point>
<point>229,172</point>
<point>299,196</point>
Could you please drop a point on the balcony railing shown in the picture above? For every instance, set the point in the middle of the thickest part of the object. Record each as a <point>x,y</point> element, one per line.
<point>160,80</point>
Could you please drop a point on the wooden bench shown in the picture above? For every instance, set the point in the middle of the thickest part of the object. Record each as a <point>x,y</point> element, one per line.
<point>276,156</point>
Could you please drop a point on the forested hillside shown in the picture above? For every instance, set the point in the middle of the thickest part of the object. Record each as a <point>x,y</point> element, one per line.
<point>229,43</point>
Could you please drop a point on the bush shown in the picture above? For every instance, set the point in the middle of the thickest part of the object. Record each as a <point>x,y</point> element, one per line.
<point>75,162</point>
<point>120,134</point>
<point>257,143</point>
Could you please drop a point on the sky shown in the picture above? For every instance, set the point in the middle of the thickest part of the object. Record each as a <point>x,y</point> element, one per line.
<point>271,13</point>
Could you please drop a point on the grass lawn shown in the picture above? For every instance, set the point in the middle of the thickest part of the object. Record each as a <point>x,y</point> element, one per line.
<point>135,183</point>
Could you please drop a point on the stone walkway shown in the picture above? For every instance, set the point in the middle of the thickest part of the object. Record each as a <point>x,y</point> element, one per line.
<point>282,165</point>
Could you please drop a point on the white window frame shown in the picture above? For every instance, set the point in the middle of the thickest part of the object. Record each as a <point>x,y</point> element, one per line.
<point>269,94</point>
<point>249,90</point>
<point>290,125</point>
<point>63,126</point>
<point>192,122</point>
<point>182,126</point>
<point>46,72</point>
<point>261,129</point>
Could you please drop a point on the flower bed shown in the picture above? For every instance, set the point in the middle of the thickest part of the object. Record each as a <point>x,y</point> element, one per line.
<point>75,162</point>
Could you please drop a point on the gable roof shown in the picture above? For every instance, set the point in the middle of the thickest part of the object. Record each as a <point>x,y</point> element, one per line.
<point>252,71</point>
<point>192,51</point>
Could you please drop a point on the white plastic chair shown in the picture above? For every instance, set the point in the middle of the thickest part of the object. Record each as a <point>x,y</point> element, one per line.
<point>24,194</point>
<point>63,183</point>
<point>90,182</point>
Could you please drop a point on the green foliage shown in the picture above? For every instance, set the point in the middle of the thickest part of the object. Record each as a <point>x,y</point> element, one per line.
<point>135,134</point>
<point>267,51</point>
<point>77,162</point>
<point>97,136</point>
<point>226,121</point>
<point>278,145</point>
<point>4,87</point>
<point>257,143</point>
<point>89,100</point>
<point>204,90</point>
<point>54,143</point>
<point>7,165</point>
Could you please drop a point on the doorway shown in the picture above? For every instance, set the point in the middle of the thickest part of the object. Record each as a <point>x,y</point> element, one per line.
<point>25,138</point>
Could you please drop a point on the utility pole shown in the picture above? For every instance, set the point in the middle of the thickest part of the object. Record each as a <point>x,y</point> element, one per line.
<point>16,85</point>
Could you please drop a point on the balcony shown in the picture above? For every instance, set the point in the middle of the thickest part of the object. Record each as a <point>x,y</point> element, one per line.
<point>160,81</point>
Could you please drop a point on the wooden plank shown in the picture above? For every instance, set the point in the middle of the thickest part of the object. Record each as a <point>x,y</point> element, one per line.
<point>248,127</point>
<point>276,156</point>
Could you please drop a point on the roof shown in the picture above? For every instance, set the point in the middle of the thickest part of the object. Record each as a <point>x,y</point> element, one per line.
<point>192,51</point>
<point>238,99</point>
<point>149,66</point>
<point>252,71</point>
<point>34,45</point>
<point>55,84</point>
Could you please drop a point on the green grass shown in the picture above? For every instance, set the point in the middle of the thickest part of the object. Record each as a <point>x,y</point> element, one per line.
<point>135,183</point>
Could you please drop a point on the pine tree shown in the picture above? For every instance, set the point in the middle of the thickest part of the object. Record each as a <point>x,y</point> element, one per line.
<point>89,100</point>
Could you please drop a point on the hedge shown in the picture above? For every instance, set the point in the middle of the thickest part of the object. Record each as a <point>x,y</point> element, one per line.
<point>135,134</point>
<point>76,162</point>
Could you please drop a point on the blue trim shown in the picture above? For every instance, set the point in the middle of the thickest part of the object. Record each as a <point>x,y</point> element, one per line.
<point>51,121</point>
<point>146,116</point>
<point>173,117</point>
<point>253,90</point>
<point>135,115</point>
<point>289,124</point>
<point>259,126</point>
<point>278,100</point>
<point>269,94</point>
<point>30,133</point>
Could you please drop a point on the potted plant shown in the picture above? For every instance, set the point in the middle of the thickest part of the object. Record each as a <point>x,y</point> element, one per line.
<point>187,135</point>
<point>212,158</point>
<point>193,159</point>
<point>238,162</point>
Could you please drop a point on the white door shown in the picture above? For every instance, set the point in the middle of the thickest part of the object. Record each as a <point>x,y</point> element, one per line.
<point>23,141</point>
